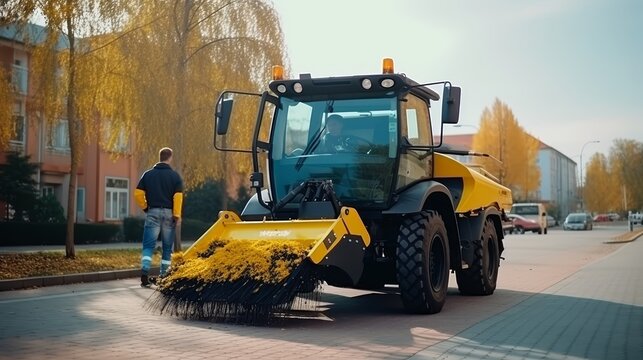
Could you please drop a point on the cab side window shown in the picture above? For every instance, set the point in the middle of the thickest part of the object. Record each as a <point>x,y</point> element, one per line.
<point>415,127</point>
<point>416,124</point>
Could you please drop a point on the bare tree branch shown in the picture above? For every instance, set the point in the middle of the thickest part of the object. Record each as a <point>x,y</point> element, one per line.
<point>216,11</point>
<point>212,42</point>
<point>122,35</point>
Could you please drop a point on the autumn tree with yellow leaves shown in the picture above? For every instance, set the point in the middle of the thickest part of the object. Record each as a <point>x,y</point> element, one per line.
<point>65,81</point>
<point>151,70</point>
<point>7,129</point>
<point>613,182</point>
<point>514,150</point>
<point>626,155</point>
<point>178,65</point>
<point>598,190</point>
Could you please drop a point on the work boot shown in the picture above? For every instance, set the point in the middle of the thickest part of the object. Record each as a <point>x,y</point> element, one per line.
<point>145,281</point>
<point>152,280</point>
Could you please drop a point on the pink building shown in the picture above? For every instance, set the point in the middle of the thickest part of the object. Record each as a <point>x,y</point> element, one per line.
<point>105,182</point>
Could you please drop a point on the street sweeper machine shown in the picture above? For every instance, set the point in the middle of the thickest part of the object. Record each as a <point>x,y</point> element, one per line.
<point>359,193</point>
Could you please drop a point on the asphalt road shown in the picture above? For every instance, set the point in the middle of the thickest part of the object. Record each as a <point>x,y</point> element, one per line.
<point>565,294</point>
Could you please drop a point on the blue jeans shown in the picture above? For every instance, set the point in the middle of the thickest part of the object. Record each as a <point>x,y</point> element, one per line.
<point>158,221</point>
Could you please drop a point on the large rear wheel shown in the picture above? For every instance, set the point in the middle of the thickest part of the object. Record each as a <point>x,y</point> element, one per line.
<point>480,278</point>
<point>423,262</point>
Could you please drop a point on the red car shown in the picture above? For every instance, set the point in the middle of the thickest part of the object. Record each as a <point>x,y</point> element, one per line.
<point>602,218</point>
<point>521,224</point>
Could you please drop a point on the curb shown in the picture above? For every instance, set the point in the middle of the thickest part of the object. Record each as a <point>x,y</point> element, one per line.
<point>626,237</point>
<point>40,281</point>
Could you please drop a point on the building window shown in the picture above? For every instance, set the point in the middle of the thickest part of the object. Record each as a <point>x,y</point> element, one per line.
<point>18,124</point>
<point>116,198</point>
<point>80,203</point>
<point>59,139</point>
<point>47,190</point>
<point>115,139</point>
<point>19,77</point>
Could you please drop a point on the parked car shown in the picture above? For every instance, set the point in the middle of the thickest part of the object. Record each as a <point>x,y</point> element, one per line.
<point>636,218</point>
<point>602,218</point>
<point>532,211</point>
<point>507,227</point>
<point>551,222</point>
<point>578,221</point>
<point>614,216</point>
<point>522,224</point>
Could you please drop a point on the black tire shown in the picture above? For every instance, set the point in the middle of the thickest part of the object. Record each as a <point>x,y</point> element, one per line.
<point>520,229</point>
<point>423,262</point>
<point>480,278</point>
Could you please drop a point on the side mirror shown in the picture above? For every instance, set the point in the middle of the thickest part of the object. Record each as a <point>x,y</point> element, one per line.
<point>222,115</point>
<point>451,104</point>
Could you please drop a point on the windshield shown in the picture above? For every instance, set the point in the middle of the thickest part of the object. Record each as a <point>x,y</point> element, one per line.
<point>351,142</point>
<point>576,218</point>
<point>525,209</point>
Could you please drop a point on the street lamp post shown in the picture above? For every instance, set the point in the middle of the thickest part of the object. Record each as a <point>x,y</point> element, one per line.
<point>582,187</point>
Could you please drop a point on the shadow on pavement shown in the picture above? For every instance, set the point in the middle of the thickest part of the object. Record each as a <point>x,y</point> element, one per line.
<point>533,324</point>
<point>373,324</point>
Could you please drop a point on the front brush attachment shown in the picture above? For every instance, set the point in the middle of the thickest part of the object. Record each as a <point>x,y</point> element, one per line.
<point>254,271</point>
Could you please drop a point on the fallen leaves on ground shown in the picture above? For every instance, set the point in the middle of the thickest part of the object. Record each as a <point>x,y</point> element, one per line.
<point>22,265</point>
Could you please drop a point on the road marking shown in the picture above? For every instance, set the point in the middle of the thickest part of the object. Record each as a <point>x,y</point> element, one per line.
<point>57,296</point>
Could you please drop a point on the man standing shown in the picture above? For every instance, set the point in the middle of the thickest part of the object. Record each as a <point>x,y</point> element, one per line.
<point>160,194</point>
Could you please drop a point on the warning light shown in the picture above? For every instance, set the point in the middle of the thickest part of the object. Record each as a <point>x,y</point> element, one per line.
<point>277,72</point>
<point>387,66</point>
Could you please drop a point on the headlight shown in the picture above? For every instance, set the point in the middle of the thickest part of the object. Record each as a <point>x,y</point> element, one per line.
<point>387,83</point>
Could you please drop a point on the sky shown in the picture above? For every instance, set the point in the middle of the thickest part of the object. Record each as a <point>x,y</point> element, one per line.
<point>571,70</point>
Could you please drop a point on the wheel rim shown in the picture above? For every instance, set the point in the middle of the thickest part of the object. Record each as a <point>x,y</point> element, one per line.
<point>436,263</point>
<point>492,255</point>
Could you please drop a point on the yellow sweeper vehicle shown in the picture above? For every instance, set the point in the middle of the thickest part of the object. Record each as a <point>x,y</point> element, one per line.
<point>360,193</point>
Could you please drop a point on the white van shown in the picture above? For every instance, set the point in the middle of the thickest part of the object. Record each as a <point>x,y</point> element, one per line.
<point>532,211</point>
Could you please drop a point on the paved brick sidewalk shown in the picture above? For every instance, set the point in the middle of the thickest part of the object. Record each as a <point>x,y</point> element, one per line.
<point>597,313</point>
<point>108,320</point>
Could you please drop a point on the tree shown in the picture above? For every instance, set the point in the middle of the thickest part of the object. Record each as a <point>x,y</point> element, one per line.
<point>65,88</point>
<point>177,67</point>
<point>626,158</point>
<point>47,209</point>
<point>7,130</point>
<point>204,201</point>
<point>18,189</point>
<point>516,151</point>
<point>598,192</point>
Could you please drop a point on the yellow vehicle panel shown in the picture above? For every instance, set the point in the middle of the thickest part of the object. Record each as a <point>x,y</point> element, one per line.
<point>323,235</point>
<point>478,190</point>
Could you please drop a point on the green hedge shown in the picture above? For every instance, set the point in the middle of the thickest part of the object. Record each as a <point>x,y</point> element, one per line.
<point>133,229</point>
<point>191,229</point>
<point>19,233</point>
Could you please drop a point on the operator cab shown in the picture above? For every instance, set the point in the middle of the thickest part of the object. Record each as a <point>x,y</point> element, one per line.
<point>370,135</point>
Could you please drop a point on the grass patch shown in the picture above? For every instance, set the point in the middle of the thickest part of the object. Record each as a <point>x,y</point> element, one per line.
<point>15,266</point>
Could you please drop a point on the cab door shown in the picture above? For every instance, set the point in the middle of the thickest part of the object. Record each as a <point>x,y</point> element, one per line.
<point>415,129</point>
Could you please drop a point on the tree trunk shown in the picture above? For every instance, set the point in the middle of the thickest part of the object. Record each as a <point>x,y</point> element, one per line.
<point>182,103</point>
<point>70,251</point>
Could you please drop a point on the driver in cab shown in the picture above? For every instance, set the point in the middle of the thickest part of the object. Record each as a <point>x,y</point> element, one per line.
<point>333,141</point>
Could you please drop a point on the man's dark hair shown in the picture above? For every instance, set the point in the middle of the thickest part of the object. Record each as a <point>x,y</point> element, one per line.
<point>165,153</point>
<point>335,117</point>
